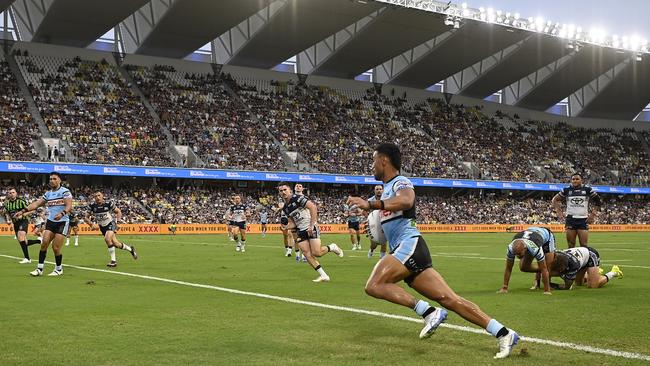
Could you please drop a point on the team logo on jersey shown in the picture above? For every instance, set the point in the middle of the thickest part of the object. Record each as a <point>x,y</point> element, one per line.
<point>577,201</point>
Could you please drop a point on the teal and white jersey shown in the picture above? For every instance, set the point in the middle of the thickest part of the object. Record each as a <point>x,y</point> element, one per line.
<point>398,226</point>
<point>54,201</point>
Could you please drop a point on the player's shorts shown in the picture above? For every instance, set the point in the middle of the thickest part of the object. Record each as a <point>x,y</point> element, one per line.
<point>21,225</point>
<point>264,222</point>
<point>240,224</point>
<point>112,226</point>
<point>594,258</point>
<point>231,223</point>
<point>74,223</point>
<point>414,254</point>
<point>303,235</point>
<point>549,246</point>
<point>576,224</point>
<point>61,227</point>
<point>353,225</point>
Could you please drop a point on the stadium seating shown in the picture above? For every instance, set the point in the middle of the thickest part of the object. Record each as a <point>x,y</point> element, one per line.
<point>17,127</point>
<point>334,129</point>
<point>200,113</point>
<point>88,104</point>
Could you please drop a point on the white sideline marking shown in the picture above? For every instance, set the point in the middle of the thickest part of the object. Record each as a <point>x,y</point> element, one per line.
<point>573,346</point>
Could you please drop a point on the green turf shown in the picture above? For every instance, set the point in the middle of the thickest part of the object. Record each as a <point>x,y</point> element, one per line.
<point>100,318</point>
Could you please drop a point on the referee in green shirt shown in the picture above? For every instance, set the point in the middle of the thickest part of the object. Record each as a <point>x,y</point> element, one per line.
<point>13,204</point>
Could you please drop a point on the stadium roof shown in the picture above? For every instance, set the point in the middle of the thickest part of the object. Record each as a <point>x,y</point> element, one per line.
<point>344,38</point>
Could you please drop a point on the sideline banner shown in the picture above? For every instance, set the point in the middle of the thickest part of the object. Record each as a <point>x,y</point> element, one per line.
<point>162,172</point>
<point>157,229</point>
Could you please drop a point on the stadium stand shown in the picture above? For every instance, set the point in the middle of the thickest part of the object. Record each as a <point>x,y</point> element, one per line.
<point>200,113</point>
<point>17,128</point>
<point>88,104</point>
<point>191,204</point>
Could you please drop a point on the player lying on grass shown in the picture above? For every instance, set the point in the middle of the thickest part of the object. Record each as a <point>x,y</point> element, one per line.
<point>534,243</point>
<point>581,265</point>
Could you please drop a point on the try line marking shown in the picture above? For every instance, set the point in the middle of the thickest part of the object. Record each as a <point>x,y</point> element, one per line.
<point>573,346</point>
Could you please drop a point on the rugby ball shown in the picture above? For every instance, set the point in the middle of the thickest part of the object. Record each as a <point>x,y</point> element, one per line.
<point>375,232</point>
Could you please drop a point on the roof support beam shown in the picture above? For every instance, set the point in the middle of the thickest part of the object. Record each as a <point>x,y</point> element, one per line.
<point>514,92</point>
<point>315,55</point>
<point>227,45</point>
<point>393,67</point>
<point>30,15</point>
<point>456,83</point>
<point>581,99</point>
<point>137,27</point>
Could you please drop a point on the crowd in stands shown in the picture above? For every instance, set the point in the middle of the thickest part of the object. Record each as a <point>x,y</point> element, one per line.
<point>199,112</point>
<point>17,128</point>
<point>90,105</point>
<point>189,204</point>
<point>132,210</point>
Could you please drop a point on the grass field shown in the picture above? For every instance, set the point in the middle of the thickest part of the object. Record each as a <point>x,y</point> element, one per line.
<point>103,318</point>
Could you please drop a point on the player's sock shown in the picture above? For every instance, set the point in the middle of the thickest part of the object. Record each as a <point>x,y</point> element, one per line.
<point>67,241</point>
<point>609,275</point>
<point>76,240</point>
<point>320,271</point>
<point>33,241</point>
<point>382,255</point>
<point>58,259</point>
<point>126,247</point>
<point>23,246</point>
<point>243,243</point>
<point>111,252</point>
<point>496,329</point>
<point>423,308</point>
<point>236,238</point>
<point>41,259</point>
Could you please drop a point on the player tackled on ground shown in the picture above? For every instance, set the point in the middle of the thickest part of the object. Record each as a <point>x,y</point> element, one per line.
<point>410,260</point>
<point>574,264</point>
<point>104,220</point>
<point>12,205</point>
<point>534,243</point>
<point>59,205</point>
<point>578,215</point>
<point>302,216</point>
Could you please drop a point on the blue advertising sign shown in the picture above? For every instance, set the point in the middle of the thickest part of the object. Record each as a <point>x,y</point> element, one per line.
<point>162,172</point>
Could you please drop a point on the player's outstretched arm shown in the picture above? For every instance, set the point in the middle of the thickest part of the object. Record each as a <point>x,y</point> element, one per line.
<point>32,206</point>
<point>546,277</point>
<point>557,206</point>
<point>506,277</point>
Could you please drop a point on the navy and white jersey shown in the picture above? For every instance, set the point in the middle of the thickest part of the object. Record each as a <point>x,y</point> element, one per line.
<point>39,218</point>
<point>533,241</point>
<point>578,259</point>
<point>264,217</point>
<point>103,212</point>
<point>352,214</point>
<point>237,213</point>
<point>55,203</point>
<point>577,200</point>
<point>398,226</point>
<point>297,210</point>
